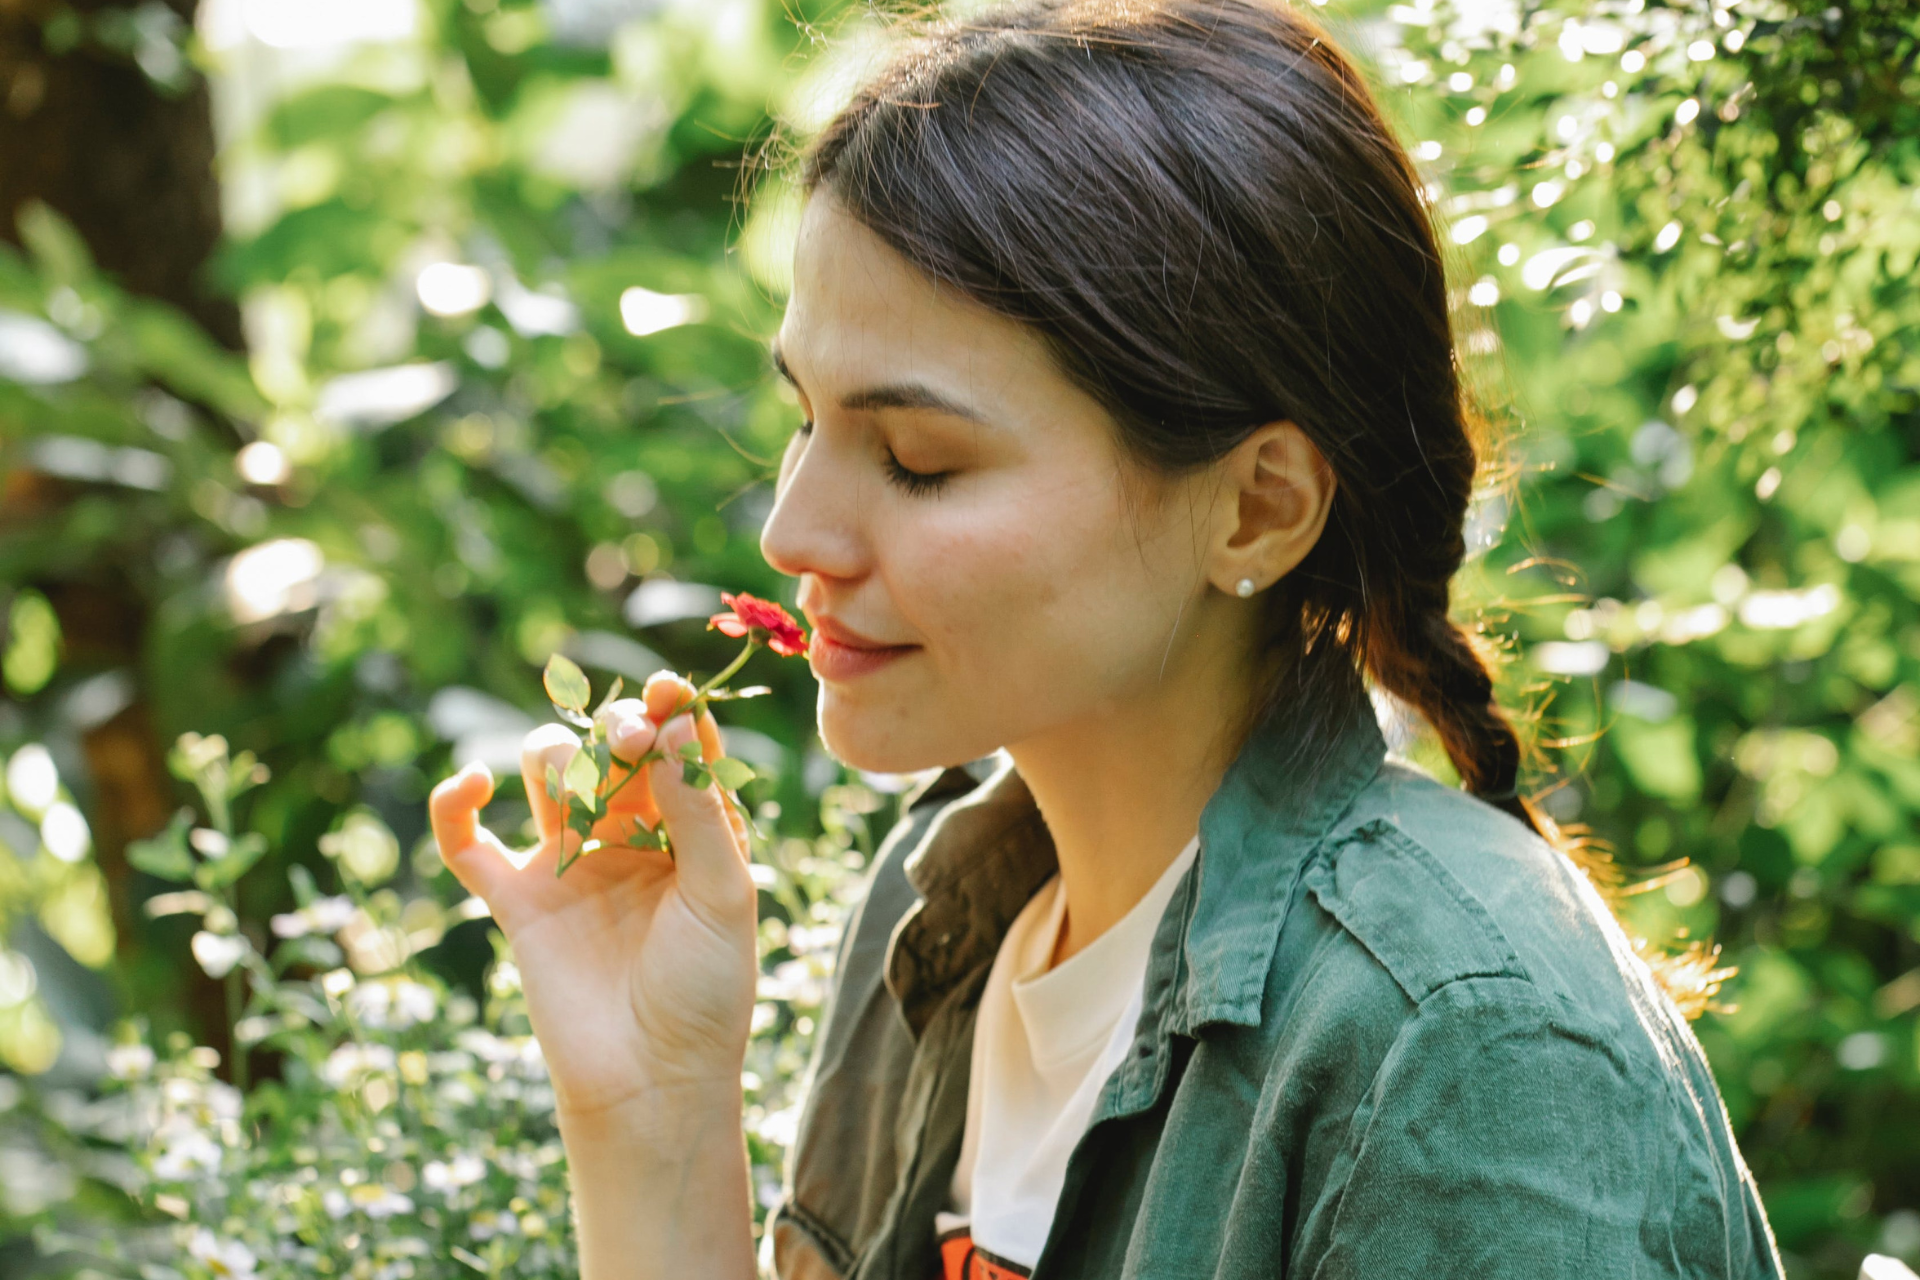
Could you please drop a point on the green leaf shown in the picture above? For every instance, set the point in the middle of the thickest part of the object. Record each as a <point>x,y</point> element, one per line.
<point>1662,759</point>
<point>566,684</point>
<point>613,693</point>
<point>555,789</point>
<point>56,246</point>
<point>733,774</point>
<point>689,752</point>
<point>695,775</point>
<point>166,854</point>
<point>176,353</point>
<point>326,114</point>
<point>583,778</point>
<point>234,863</point>
<point>321,953</point>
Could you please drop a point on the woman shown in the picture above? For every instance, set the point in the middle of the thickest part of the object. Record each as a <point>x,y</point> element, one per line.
<point>1134,444</point>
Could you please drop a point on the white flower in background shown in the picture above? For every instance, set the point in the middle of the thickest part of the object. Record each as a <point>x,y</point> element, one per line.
<point>32,781</point>
<point>521,1054</point>
<point>129,1061</point>
<point>218,952</point>
<point>463,1170</point>
<point>348,1063</point>
<point>323,916</point>
<point>186,1156</point>
<point>377,1201</point>
<point>64,832</point>
<point>392,1005</point>
<point>363,847</point>
<point>206,1099</point>
<point>814,940</point>
<point>487,1224</point>
<point>222,1257</point>
<point>797,981</point>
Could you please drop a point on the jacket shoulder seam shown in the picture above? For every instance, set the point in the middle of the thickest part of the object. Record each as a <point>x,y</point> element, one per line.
<point>1409,912</point>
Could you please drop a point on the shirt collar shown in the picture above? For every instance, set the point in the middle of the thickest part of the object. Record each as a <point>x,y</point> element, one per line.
<point>988,851</point>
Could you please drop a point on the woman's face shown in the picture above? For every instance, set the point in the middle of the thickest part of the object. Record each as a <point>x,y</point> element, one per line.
<point>957,497</point>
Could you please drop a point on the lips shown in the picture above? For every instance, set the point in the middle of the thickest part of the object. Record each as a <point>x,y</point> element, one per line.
<point>846,636</point>
<point>839,653</point>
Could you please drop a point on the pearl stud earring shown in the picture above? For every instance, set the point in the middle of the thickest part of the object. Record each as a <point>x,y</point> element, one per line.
<point>1243,588</point>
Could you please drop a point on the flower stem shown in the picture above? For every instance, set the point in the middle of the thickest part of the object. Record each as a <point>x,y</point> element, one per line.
<point>235,997</point>
<point>700,694</point>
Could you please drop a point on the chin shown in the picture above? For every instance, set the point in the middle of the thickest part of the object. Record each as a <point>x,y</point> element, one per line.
<point>881,740</point>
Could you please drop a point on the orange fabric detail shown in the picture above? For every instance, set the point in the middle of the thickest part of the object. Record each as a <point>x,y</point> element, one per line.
<point>959,1260</point>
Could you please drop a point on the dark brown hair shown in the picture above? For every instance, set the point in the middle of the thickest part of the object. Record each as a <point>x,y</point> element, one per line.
<point>1200,207</point>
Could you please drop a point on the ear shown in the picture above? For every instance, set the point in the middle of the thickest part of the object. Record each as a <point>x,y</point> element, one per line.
<point>1276,491</point>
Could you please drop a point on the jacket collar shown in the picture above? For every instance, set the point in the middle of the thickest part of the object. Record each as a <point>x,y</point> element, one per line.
<point>988,851</point>
<point>982,857</point>
<point>1284,791</point>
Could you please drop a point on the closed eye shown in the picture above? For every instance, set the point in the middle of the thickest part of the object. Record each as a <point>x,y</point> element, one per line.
<point>917,483</point>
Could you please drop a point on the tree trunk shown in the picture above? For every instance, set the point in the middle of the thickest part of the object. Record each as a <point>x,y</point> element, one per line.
<point>129,162</point>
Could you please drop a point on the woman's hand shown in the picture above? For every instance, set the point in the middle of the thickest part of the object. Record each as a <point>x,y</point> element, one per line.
<point>638,966</point>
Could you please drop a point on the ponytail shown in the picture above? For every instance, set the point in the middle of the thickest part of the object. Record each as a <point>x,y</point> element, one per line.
<point>1433,666</point>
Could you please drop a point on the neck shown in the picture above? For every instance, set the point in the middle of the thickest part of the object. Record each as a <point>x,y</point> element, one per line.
<point>1121,790</point>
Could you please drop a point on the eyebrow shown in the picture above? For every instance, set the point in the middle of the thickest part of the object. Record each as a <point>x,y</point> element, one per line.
<point>892,395</point>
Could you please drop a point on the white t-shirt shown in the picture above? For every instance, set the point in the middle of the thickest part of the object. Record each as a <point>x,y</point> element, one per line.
<point>1044,1042</point>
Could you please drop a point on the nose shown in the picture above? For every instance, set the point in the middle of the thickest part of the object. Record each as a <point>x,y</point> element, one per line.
<point>813,527</point>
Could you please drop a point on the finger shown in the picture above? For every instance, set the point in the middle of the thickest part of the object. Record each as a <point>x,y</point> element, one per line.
<point>711,748</point>
<point>666,692</point>
<point>469,849</point>
<point>624,827</point>
<point>633,797</point>
<point>707,850</point>
<point>710,745</point>
<point>549,745</point>
<point>630,733</point>
<point>454,807</point>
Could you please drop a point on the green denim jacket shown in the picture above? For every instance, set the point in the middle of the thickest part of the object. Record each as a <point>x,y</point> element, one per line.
<point>1388,1031</point>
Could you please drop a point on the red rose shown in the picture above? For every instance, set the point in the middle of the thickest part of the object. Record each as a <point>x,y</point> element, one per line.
<point>750,614</point>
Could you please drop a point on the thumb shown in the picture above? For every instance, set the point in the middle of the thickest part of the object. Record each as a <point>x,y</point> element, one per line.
<point>708,856</point>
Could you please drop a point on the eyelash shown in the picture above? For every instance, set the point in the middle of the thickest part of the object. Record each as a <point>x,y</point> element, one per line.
<point>917,483</point>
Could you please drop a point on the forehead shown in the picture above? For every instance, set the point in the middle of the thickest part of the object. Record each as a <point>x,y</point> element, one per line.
<point>861,314</point>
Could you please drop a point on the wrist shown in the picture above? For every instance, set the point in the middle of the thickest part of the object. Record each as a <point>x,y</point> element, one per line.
<point>653,1112</point>
<point>660,1184</point>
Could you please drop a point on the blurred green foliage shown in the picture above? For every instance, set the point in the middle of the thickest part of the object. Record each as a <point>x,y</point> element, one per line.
<point>1687,235</point>
<point>505,395</point>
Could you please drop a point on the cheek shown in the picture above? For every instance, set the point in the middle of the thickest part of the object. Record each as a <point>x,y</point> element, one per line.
<point>1012,579</point>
